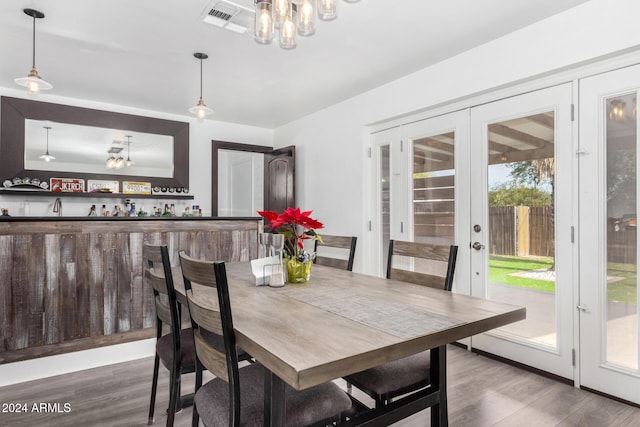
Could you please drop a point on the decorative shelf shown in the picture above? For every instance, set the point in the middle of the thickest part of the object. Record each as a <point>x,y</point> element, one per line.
<point>24,191</point>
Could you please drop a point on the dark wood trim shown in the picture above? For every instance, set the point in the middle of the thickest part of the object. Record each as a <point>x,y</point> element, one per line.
<point>225,145</point>
<point>75,345</point>
<point>13,112</point>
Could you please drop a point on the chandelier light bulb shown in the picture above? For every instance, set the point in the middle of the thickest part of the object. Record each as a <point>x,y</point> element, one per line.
<point>263,32</point>
<point>111,163</point>
<point>617,110</point>
<point>327,9</point>
<point>306,18</point>
<point>281,10</point>
<point>288,34</point>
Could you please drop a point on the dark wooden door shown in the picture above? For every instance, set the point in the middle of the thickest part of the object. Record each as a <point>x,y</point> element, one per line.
<point>279,174</point>
<point>279,179</point>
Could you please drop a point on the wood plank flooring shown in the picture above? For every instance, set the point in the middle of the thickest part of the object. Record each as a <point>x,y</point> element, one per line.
<point>482,392</point>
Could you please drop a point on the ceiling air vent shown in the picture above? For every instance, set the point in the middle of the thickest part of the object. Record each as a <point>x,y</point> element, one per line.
<point>237,17</point>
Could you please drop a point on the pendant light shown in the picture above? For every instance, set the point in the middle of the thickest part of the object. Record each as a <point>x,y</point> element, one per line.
<point>46,156</point>
<point>201,110</point>
<point>128,162</point>
<point>33,82</point>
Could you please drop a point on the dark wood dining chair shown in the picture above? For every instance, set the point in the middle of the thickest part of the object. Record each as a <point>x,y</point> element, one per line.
<point>336,245</point>
<point>174,349</point>
<point>236,396</point>
<point>385,382</point>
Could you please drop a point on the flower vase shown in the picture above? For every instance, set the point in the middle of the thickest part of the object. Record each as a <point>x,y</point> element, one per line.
<point>298,272</point>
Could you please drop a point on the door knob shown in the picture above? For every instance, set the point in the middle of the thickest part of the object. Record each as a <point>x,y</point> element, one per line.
<point>477,246</point>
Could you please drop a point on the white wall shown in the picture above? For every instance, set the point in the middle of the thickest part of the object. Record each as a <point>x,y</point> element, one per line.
<point>332,171</point>
<point>200,136</point>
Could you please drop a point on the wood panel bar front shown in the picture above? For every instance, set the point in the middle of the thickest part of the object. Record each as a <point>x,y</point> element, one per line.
<point>69,284</point>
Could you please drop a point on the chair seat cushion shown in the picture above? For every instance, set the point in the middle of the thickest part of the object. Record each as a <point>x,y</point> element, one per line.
<point>164,348</point>
<point>393,376</point>
<point>302,407</point>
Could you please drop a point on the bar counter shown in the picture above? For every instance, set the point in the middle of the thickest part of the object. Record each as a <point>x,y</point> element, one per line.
<point>73,283</point>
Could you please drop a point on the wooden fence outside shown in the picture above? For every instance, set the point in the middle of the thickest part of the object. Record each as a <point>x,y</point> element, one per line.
<point>521,230</point>
<point>524,230</point>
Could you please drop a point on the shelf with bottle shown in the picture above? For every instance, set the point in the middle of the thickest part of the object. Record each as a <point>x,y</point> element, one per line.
<point>45,193</point>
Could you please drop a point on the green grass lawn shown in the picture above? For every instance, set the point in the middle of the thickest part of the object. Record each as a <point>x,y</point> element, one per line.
<point>625,290</point>
<point>501,266</point>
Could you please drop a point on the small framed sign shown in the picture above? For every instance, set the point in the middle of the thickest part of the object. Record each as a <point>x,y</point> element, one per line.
<point>134,187</point>
<point>102,186</point>
<point>66,185</point>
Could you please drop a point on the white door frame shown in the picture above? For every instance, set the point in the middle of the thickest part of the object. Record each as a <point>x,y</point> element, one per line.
<point>556,360</point>
<point>596,371</point>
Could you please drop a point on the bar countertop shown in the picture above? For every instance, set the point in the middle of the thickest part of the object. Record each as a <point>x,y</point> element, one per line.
<point>53,218</point>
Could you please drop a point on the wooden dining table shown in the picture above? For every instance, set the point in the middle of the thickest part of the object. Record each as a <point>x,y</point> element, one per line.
<point>341,322</point>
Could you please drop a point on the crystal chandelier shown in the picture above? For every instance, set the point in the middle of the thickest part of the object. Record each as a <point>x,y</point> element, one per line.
<point>291,18</point>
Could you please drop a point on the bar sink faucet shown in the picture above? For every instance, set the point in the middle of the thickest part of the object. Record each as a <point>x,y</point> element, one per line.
<point>57,206</point>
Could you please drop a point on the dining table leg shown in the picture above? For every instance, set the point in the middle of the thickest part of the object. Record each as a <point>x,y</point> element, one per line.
<point>438,375</point>
<point>274,400</point>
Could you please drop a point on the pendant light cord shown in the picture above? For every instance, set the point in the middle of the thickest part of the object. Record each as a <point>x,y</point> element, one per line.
<point>34,40</point>
<point>200,77</point>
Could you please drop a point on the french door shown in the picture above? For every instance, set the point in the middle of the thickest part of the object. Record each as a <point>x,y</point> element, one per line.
<point>608,170</point>
<point>417,170</point>
<point>520,224</point>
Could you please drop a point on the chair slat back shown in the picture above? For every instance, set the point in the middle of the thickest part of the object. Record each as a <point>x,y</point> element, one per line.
<point>161,299</point>
<point>429,264</point>
<point>210,315</point>
<point>345,245</point>
<point>157,272</point>
<point>208,319</point>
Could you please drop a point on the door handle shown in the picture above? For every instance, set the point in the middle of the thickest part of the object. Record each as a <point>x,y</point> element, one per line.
<point>583,308</point>
<point>477,246</point>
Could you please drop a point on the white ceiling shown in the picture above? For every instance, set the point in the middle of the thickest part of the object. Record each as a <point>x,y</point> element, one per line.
<point>140,53</point>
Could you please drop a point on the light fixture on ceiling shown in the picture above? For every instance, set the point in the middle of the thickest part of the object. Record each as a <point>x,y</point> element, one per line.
<point>200,109</point>
<point>128,162</point>
<point>115,160</point>
<point>616,109</point>
<point>46,156</point>
<point>33,82</point>
<point>291,17</point>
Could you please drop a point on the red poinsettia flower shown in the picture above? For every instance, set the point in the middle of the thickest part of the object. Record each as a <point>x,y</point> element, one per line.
<point>288,223</point>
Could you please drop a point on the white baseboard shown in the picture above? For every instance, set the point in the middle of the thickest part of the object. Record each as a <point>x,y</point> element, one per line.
<point>43,367</point>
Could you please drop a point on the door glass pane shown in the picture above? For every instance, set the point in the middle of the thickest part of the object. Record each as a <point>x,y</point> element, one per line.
<point>620,289</point>
<point>434,189</point>
<point>385,198</point>
<point>521,248</point>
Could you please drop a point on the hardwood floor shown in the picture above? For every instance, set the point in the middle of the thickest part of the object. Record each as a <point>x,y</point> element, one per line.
<point>482,392</point>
